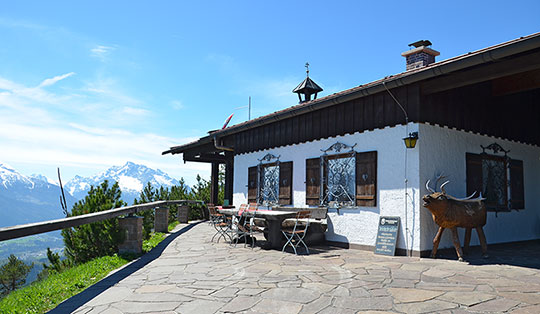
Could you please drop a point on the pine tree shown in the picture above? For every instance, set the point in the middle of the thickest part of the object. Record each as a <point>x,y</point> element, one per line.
<point>201,190</point>
<point>178,192</point>
<point>86,242</point>
<point>56,265</point>
<point>13,274</point>
<point>149,194</point>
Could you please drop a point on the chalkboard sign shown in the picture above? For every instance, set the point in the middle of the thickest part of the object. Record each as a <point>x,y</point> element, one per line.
<point>387,234</point>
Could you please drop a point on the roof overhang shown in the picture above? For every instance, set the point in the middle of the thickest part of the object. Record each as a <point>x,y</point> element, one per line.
<point>472,59</point>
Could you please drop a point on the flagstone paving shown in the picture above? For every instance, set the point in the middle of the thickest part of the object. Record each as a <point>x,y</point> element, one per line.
<point>193,275</point>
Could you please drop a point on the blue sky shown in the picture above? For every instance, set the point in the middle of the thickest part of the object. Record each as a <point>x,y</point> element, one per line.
<point>88,85</point>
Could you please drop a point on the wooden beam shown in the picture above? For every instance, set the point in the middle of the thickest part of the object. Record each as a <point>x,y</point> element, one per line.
<point>202,149</point>
<point>516,83</point>
<point>59,224</point>
<point>482,73</point>
<point>214,183</point>
<point>229,179</point>
<point>206,158</point>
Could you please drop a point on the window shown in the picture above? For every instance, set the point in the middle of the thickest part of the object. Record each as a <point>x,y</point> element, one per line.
<point>270,184</point>
<point>339,179</point>
<point>500,179</point>
<point>342,179</point>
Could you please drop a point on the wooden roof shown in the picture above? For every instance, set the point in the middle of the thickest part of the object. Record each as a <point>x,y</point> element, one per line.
<point>464,83</point>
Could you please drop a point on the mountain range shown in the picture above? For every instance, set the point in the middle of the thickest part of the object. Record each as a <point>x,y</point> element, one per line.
<point>26,199</point>
<point>131,178</point>
<point>35,198</point>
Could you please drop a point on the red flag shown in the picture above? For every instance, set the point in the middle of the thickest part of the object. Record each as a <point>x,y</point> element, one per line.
<point>227,121</point>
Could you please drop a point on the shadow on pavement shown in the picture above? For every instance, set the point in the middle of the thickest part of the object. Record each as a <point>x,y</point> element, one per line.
<point>524,254</point>
<point>76,301</point>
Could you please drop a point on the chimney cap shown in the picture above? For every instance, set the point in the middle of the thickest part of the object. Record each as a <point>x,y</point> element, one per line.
<point>421,43</point>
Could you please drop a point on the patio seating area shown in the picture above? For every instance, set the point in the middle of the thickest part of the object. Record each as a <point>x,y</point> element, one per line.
<point>189,273</point>
<point>282,229</point>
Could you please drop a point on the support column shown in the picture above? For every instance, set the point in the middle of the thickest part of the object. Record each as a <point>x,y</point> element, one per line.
<point>132,227</point>
<point>214,181</point>
<point>161,219</point>
<point>229,177</point>
<point>183,214</point>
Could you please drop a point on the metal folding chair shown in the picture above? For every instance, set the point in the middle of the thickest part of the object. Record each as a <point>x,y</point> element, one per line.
<point>221,223</point>
<point>295,235</point>
<point>249,223</point>
<point>212,214</point>
<point>239,228</point>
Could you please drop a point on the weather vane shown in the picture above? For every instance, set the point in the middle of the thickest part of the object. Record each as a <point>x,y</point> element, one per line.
<point>307,68</point>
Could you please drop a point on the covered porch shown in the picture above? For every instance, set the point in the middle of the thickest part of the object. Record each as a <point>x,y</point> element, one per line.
<point>209,150</point>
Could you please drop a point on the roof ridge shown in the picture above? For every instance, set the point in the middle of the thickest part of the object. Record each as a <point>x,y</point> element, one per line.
<point>369,84</point>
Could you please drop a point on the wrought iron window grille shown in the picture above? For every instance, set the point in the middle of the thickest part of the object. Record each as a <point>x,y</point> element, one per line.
<point>496,148</point>
<point>496,185</point>
<point>338,184</point>
<point>268,180</point>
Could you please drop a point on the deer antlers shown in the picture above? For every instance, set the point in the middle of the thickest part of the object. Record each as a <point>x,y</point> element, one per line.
<point>441,176</point>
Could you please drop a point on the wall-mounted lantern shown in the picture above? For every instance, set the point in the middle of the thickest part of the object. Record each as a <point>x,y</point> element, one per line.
<point>410,141</point>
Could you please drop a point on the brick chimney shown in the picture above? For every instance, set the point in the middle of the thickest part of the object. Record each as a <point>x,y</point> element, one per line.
<point>421,55</point>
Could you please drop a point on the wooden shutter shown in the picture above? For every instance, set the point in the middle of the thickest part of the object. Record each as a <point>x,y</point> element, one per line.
<point>285,183</point>
<point>474,174</point>
<point>313,181</point>
<point>252,184</point>
<point>366,179</point>
<point>517,197</point>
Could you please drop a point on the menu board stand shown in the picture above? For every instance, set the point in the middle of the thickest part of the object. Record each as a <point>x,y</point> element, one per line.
<point>387,234</point>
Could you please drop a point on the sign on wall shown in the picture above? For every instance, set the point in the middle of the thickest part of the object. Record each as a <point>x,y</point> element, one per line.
<point>387,234</point>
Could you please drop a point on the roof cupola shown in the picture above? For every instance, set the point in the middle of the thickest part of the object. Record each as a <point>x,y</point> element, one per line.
<point>307,88</point>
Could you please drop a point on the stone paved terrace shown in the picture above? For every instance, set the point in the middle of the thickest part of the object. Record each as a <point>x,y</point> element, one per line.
<point>189,274</point>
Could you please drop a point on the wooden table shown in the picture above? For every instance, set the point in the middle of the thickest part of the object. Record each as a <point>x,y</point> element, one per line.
<point>273,217</point>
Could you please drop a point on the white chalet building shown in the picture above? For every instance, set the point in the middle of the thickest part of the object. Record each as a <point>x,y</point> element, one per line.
<point>477,120</point>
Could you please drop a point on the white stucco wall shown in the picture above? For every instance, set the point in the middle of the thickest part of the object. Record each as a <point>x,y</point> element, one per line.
<point>443,150</point>
<point>354,225</point>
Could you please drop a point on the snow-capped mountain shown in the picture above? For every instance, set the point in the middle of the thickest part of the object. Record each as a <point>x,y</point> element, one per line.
<point>131,177</point>
<point>26,199</point>
<point>10,177</point>
<point>40,177</point>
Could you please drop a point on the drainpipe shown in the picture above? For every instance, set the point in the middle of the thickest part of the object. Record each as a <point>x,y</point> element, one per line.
<point>406,181</point>
<point>221,147</point>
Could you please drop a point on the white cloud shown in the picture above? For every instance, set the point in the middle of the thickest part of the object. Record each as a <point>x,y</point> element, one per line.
<point>83,132</point>
<point>108,89</point>
<point>90,147</point>
<point>51,81</point>
<point>135,111</point>
<point>270,94</point>
<point>101,52</point>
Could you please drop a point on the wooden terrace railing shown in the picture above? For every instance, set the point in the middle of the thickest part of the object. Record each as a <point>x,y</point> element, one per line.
<point>19,231</point>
